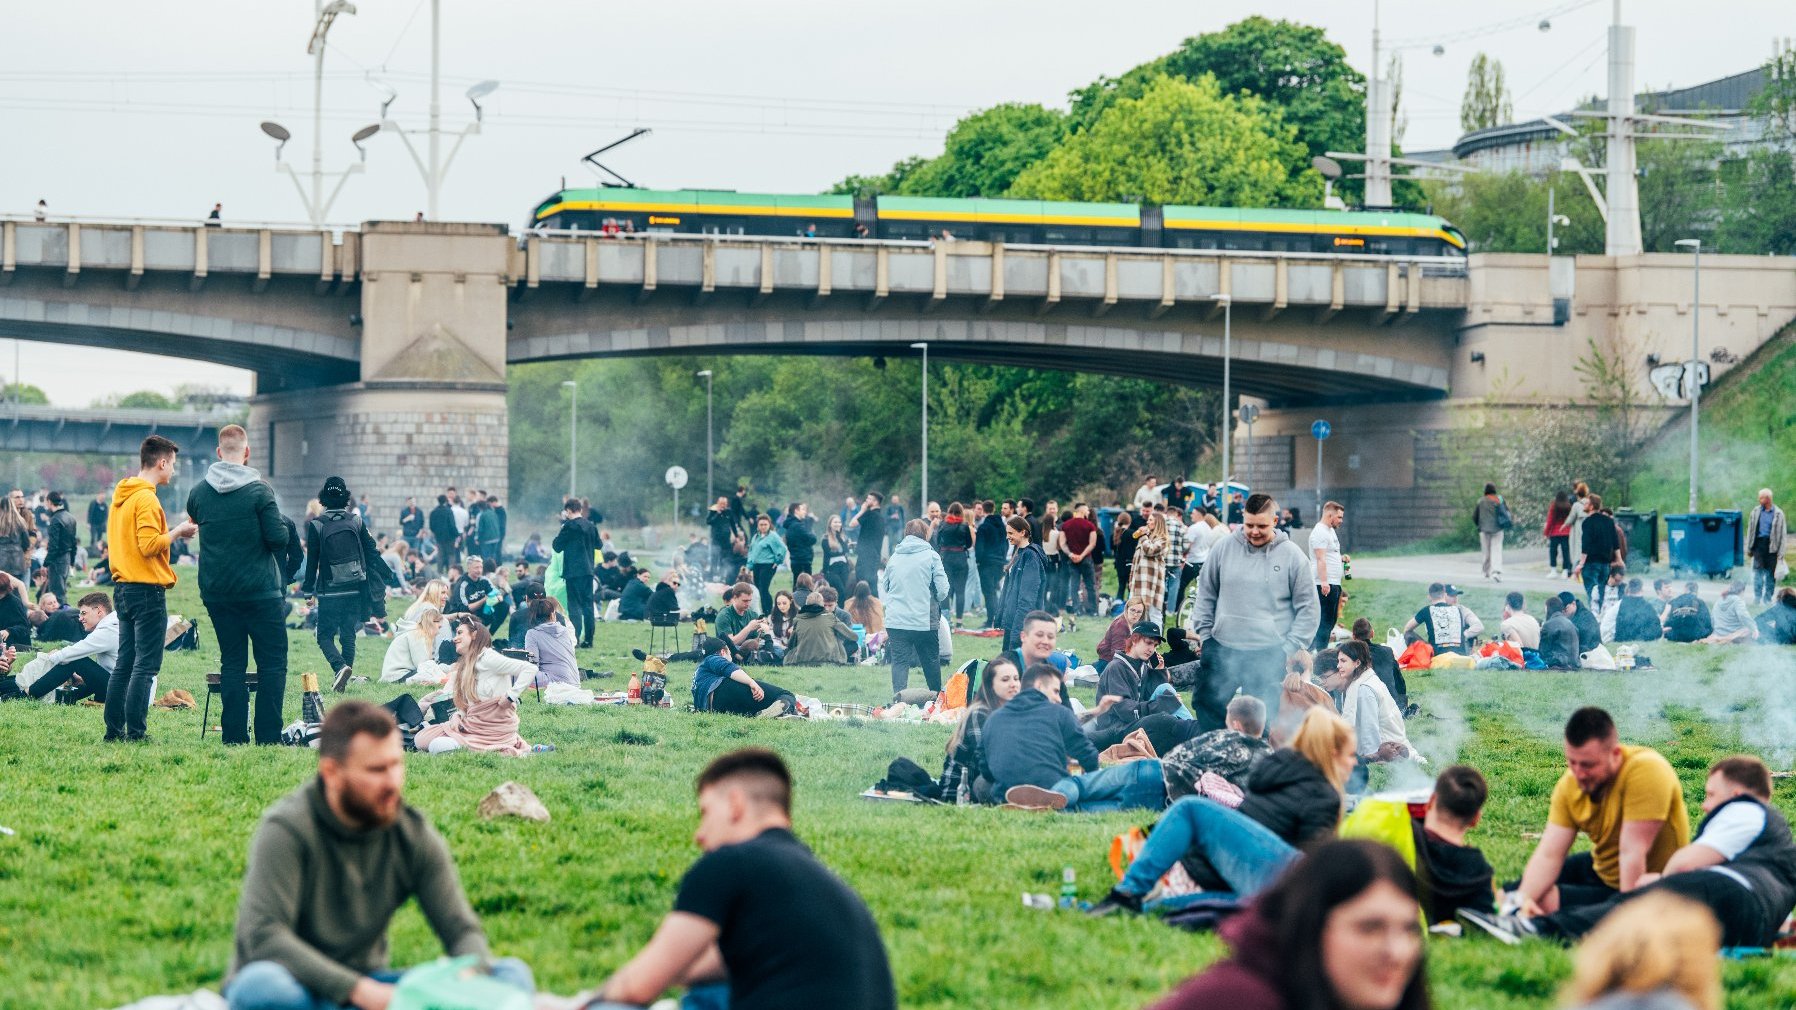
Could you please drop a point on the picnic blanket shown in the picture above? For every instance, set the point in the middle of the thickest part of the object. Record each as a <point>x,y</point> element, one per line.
<point>490,724</point>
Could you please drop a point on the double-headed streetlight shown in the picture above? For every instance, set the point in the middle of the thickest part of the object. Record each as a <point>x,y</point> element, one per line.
<point>573,419</point>
<point>710,488</point>
<point>317,207</point>
<point>1692,374</point>
<point>924,347</point>
<point>438,168</point>
<point>1228,413</point>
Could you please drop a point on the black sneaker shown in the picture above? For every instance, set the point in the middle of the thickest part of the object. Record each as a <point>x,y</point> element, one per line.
<point>342,680</point>
<point>1509,929</point>
<point>1115,901</point>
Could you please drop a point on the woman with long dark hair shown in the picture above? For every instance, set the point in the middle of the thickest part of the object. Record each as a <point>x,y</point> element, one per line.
<point>954,541</point>
<point>965,767</point>
<point>1341,931</point>
<point>1025,582</point>
<point>16,527</point>
<point>783,616</point>
<point>1558,533</point>
<point>835,555</point>
<point>484,683</point>
<point>1368,707</point>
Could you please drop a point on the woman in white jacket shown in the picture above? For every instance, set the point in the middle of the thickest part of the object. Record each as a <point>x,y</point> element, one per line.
<point>485,684</point>
<point>1367,706</point>
<point>411,658</point>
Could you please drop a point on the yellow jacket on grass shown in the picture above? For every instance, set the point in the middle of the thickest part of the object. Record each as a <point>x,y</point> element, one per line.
<point>137,535</point>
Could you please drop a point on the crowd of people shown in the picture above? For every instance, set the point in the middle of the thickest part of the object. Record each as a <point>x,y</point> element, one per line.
<point>1250,731</point>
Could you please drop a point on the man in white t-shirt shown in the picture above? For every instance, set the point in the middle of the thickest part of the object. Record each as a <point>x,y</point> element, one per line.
<point>1148,493</point>
<point>1325,548</point>
<point>1519,626</point>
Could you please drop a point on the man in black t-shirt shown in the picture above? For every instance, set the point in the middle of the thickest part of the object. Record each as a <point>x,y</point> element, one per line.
<point>758,910</point>
<point>870,522</point>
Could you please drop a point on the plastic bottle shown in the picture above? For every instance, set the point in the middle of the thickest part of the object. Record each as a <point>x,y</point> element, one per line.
<point>1069,888</point>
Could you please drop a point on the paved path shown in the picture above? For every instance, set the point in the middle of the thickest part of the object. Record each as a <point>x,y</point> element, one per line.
<point>1524,569</point>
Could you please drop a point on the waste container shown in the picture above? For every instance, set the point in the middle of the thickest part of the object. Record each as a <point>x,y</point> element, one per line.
<point>1705,543</point>
<point>1642,531</point>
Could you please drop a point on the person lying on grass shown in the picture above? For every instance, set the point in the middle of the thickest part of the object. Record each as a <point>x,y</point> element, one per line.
<point>1626,799</point>
<point>1342,930</point>
<point>758,914</point>
<point>1029,742</point>
<point>329,865</point>
<point>1741,867</point>
<point>485,684</point>
<point>720,685</point>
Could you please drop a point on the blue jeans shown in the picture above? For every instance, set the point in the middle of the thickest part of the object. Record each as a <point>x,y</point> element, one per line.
<point>1118,787</point>
<point>1244,852</point>
<point>265,985</point>
<point>1596,584</point>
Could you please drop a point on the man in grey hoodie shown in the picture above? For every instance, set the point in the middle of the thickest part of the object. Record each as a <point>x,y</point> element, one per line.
<point>242,536</point>
<point>1256,603</point>
<point>914,586</point>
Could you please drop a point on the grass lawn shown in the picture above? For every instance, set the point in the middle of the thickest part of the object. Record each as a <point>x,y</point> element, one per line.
<point>122,878</point>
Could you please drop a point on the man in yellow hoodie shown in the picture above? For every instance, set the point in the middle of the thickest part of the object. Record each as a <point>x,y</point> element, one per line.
<point>138,536</point>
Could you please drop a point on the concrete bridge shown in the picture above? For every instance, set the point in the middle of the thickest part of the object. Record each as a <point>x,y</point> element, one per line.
<point>381,353</point>
<point>104,431</point>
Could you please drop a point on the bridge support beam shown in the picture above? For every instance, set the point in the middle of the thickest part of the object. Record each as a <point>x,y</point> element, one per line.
<point>429,410</point>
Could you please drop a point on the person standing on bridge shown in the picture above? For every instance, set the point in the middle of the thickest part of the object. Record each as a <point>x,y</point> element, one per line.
<point>242,540</point>
<point>1256,603</point>
<point>139,537</point>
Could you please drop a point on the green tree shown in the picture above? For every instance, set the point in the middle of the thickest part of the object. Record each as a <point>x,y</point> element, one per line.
<point>146,399</point>
<point>1179,142</point>
<point>1486,102</point>
<point>986,151</point>
<point>23,394</point>
<point>1680,196</point>
<point>873,185</point>
<point>1758,192</point>
<point>1508,213</point>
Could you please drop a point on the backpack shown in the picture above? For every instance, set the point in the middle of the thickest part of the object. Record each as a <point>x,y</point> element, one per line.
<point>340,548</point>
<point>1505,520</point>
<point>1687,621</point>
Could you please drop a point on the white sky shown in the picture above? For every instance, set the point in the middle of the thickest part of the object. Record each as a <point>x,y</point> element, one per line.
<point>132,109</point>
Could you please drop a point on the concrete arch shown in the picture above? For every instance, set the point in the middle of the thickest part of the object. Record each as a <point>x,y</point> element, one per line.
<point>1262,364</point>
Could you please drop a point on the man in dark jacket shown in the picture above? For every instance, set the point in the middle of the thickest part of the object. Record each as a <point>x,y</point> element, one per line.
<point>411,523</point>
<point>801,540</point>
<point>489,537</point>
<point>1559,638</point>
<point>990,549</point>
<point>1583,618</point>
<point>448,537</point>
<point>242,539</point>
<point>1029,741</point>
<point>59,545</point>
<point>869,548</point>
<point>575,542</point>
<point>1636,620</point>
<point>342,568</point>
<point>1602,548</point>
<point>96,519</point>
<point>1687,618</point>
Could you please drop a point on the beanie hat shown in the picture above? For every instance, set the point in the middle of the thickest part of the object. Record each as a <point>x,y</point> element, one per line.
<point>334,494</point>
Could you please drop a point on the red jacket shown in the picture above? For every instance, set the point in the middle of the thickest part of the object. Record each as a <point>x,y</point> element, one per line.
<point>1558,523</point>
<point>1243,981</point>
<point>1114,639</point>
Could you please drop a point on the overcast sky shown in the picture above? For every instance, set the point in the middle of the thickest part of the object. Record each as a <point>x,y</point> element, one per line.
<point>132,109</point>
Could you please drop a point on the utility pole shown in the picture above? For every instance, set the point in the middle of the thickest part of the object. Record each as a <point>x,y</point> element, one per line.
<point>1378,126</point>
<point>1622,232</point>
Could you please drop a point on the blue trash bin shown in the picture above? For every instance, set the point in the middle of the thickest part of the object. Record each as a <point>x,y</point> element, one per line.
<point>1705,543</point>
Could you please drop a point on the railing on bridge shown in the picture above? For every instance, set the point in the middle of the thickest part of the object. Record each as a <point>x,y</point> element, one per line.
<point>103,430</point>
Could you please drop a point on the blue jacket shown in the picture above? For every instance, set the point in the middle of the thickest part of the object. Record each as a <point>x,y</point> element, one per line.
<point>1028,741</point>
<point>766,550</point>
<point>1025,587</point>
<point>913,585</point>
<point>713,671</point>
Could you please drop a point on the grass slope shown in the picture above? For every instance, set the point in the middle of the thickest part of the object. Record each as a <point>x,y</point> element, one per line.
<point>122,880</point>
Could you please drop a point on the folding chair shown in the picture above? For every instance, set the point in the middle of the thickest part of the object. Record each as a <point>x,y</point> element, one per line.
<point>665,631</point>
<point>214,686</point>
<point>529,657</point>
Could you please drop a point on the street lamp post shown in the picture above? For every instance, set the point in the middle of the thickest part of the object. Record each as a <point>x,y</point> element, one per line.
<point>316,204</point>
<point>1692,375</point>
<point>438,169</point>
<point>924,503</point>
<point>573,420</point>
<point>1228,413</point>
<point>710,488</point>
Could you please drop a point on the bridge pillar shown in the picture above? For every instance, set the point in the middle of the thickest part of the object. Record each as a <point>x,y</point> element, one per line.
<point>429,409</point>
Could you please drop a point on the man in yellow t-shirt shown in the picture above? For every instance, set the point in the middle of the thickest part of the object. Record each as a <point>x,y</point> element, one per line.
<point>1626,800</point>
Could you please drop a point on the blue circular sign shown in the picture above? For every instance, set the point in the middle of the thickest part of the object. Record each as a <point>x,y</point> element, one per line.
<point>1320,430</point>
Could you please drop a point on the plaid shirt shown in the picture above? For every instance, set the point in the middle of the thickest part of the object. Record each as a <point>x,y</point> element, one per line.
<point>1175,542</point>
<point>967,763</point>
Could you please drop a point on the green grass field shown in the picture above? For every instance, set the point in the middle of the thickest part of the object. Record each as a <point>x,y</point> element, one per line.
<point>122,879</point>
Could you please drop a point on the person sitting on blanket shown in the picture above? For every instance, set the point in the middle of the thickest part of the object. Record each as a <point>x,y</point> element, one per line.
<point>87,663</point>
<point>1294,799</point>
<point>1117,635</point>
<point>1341,930</point>
<point>411,658</point>
<point>329,865</point>
<point>1741,867</point>
<point>966,765</point>
<point>721,685</point>
<point>1369,708</point>
<point>1029,741</point>
<point>54,621</point>
<point>484,682</point>
<point>819,638</point>
<point>1231,752</point>
<point>759,922</point>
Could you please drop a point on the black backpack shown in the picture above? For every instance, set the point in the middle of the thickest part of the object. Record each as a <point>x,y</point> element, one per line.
<point>340,548</point>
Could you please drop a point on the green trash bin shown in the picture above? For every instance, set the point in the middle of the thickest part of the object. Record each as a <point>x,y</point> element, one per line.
<point>1642,531</point>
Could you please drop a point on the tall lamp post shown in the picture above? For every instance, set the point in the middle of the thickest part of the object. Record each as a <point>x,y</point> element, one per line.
<point>1228,413</point>
<point>710,488</point>
<point>924,503</point>
<point>1692,375</point>
<point>573,420</point>
<point>438,168</point>
<point>317,205</point>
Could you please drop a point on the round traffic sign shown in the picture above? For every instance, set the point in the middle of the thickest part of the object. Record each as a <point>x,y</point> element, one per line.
<point>1321,430</point>
<point>1249,413</point>
<point>676,477</point>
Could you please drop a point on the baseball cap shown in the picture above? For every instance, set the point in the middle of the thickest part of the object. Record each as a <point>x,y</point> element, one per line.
<point>1147,629</point>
